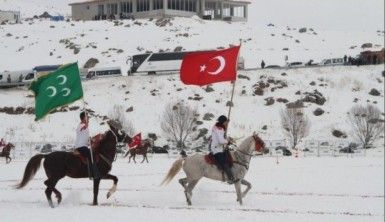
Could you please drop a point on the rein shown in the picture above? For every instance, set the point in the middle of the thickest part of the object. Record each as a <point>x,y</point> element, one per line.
<point>109,162</point>
<point>246,165</point>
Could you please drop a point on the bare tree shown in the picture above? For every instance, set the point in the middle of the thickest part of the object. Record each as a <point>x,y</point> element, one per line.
<point>178,122</point>
<point>366,123</point>
<point>295,124</point>
<point>117,113</point>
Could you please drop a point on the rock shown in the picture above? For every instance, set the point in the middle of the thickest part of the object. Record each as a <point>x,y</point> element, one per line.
<point>374,92</point>
<point>282,100</point>
<point>209,89</point>
<point>269,101</point>
<point>130,109</point>
<point>302,30</point>
<point>296,104</point>
<point>91,63</point>
<point>338,134</point>
<point>152,136</point>
<point>178,49</point>
<point>45,15</point>
<point>367,45</point>
<point>208,116</point>
<point>264,127</point>
<point>258,91</point>
<point>314,97</point>
<point>312,83</point>
<point>318,112</point>
<point>243,77</point>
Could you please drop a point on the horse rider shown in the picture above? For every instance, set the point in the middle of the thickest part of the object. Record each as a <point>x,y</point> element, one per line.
<point>218,145</point>
<point>82,143</point>
<point>2,144</point>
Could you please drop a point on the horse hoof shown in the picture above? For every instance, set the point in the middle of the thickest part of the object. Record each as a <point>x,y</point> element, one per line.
<point>51,204</point>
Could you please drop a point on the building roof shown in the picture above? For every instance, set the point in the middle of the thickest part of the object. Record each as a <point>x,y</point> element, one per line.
<point>78,2</point>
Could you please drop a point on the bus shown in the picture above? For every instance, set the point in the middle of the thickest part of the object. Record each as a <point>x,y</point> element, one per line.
<point>161,63</point>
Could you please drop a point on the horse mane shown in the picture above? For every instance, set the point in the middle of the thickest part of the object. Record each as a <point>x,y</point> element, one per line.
<point>246,143</point>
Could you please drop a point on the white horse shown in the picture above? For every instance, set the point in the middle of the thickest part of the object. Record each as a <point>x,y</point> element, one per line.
<point>196,167</point>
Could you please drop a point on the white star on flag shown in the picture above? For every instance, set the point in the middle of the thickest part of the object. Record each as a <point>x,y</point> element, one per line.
<point>203,68</point>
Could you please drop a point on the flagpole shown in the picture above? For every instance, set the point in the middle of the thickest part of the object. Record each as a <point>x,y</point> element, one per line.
<point>89,138</point>
<point>232,91</point>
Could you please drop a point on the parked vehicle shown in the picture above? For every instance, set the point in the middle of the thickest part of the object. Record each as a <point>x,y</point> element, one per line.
<point>272,67</point>
<point>164,62</point>
<point>332,62</point>
<point>295,64</point>
<point>103,72</point>
<point>14,78</point>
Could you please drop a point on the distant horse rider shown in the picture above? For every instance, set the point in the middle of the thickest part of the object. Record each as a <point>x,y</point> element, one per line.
<point>82,143</point>
<point>2,144</point>
<point>218,145</point>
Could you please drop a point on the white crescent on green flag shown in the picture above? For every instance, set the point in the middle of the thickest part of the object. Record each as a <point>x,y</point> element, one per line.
<point>56,89</point>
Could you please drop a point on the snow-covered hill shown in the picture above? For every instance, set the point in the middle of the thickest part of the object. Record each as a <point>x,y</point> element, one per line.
<point>271,38</point>
<point>342,87</point>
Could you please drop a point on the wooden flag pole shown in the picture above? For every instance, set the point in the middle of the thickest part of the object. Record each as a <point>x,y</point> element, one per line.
<point>232,91</point>
<point>88,122</point>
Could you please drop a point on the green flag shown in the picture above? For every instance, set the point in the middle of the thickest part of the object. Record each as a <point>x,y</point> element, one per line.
<point>56,89</point>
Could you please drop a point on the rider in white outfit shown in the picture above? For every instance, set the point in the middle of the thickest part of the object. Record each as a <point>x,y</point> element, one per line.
<point>218,144</point>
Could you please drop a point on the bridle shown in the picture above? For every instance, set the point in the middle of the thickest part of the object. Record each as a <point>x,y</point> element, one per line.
<point>109,162</point>
<point>257,143</point>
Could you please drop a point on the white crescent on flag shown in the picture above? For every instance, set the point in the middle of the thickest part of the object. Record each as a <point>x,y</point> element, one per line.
<point>222,65</point>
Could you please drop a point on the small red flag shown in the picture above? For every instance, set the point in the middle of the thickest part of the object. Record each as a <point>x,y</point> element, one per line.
<point>136,140</point>
<point>202,68</point>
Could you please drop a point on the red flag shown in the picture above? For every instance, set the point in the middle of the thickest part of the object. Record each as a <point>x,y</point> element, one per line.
<point>202,68</point>
<point>136,140</point>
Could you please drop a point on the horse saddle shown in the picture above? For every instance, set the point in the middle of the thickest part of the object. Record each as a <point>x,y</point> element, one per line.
<point>210,159</point>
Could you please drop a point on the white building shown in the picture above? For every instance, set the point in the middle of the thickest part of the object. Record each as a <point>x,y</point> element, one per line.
<point>229,10</point>
<point>10,16</point>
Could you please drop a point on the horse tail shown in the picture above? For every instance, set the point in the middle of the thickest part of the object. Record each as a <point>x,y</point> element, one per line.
<point>175,168</point>
<point>30,170</point>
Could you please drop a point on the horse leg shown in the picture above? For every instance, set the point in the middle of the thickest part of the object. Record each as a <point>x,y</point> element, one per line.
<point>7,159</point>
<point>188,192</point>
<point>239,192</point>
<point>129,158</point>
<point>134,158</point>
<point>96,191</point>
<point>113,188</point>
<point>50,183</point>
<point>248,184</point>
<point>57,195</point>
<point>144,158</point>
<point>183,182</point>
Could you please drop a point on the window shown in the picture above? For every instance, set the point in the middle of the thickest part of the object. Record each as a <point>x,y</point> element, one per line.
<point>100,9</point>
<point>30,76</point>
<point>166,56</point>
<point>239,11</point>
<point>158,4</point>
<point>112,9</point>
<point>126,7</point>
<point>143,5</point>
<point>182,5</point>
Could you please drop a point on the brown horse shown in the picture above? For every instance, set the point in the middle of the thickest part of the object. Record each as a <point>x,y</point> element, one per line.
<point>60,164</point>
<point>6,152</point>
<point>141,149</point>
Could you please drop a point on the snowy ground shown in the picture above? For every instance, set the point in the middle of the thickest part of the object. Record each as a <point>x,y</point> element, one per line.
<point>296,189</point>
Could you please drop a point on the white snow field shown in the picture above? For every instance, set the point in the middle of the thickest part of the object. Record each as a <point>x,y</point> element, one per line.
<point>315,189</point>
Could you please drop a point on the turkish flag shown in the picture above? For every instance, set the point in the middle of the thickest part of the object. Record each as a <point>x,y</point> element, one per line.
<point>202,68</point>
<point>136,140</point>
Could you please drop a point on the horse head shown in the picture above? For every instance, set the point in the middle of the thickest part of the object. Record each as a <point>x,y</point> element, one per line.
<point>251,144</point>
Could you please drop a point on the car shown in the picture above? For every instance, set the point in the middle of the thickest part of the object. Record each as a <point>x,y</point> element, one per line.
<point>272,67</point>
<point>295,64</point>
<point>332,62</point>
<point>285,150</point>
<point>159,149</point>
